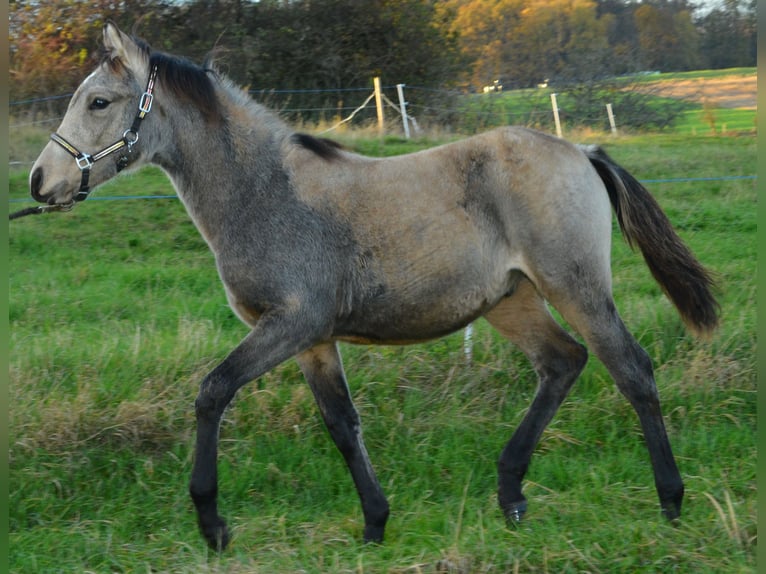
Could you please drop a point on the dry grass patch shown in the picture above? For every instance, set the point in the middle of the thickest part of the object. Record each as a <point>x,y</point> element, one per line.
<point>722,92</point>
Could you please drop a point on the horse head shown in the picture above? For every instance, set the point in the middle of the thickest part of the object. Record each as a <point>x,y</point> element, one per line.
<point>98,136</point>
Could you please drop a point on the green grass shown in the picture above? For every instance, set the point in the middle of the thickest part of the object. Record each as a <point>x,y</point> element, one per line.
<point>717,120</point>
<point>585,109</point>
<point>116,313</point>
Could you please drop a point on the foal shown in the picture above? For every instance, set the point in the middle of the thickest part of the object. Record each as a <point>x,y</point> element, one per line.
<point>316,245</point>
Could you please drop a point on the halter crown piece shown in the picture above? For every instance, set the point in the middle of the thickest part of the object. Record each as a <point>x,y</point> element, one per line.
<point>129,138</point>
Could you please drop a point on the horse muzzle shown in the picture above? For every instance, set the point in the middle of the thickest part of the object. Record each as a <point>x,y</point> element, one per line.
<point>59,193</point>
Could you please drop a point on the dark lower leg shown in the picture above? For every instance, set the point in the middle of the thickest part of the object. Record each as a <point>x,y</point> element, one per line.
<point>557,375</point>
<point>203,487</point>
<point>632,370</point>
<point>515,458</point>
<point>275,338</point>
<point>323,370</point>
<point>558,359</point>
<point>667,478</point>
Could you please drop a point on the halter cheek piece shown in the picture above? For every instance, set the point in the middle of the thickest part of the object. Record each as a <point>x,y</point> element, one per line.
<point>129,138</point>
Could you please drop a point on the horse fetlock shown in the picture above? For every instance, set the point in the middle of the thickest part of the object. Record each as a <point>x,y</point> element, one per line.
<point>212,526</point>
<point>373,533</point>
<point>671,503</point>
<point>375,522</point>
<point>513,511</point>
<point>509,497</point>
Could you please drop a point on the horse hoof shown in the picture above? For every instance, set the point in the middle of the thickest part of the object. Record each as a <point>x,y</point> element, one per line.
<point>672,511</point>
<point>373,534</point>
<point>515,512</point>
<point>216,534</point>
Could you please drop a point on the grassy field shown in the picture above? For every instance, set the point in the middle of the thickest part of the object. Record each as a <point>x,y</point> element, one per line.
<point>698,102</point>
<point>116,313</point>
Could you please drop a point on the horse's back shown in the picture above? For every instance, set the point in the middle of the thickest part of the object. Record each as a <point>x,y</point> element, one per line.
<point>441,235</point>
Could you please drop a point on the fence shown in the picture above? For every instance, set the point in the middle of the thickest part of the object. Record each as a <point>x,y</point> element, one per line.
<point>405,109</point>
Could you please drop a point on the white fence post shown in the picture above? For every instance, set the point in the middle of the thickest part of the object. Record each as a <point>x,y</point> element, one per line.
<point>556,114</point>
<point>468,343</point>
<point>611,119</point>
<point>403,108</point>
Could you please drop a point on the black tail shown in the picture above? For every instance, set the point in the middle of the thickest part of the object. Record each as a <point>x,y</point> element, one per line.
<point>683,279</point>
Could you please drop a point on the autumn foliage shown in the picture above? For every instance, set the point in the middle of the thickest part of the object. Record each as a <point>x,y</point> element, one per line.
<point>321,44</point>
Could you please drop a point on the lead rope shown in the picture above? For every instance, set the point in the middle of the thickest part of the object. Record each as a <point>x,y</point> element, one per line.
<point>40,209</point>
<point>86,161</point>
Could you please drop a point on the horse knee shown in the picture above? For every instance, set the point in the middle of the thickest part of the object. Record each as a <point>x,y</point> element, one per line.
<point>213,397</point>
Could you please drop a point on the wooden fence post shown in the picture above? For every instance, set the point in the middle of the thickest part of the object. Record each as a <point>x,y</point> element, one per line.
<point>379,105</point>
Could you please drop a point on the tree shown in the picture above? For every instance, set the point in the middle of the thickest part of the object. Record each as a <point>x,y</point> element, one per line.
<point>49,43</point>
<point>52,42</point>
<point>523,42</point>
<point>560,40</point>
<point>728,35</point>
<point>484,31</point>
<point>667,37</point>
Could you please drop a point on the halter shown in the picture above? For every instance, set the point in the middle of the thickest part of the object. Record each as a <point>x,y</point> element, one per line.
<point>129,138</point>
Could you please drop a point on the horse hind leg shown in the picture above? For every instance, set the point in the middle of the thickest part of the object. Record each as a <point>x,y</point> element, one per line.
<point>631,368</point>
<point>558,359</point>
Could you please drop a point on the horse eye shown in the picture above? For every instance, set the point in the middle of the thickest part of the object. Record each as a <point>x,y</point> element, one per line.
<point>98,104</point>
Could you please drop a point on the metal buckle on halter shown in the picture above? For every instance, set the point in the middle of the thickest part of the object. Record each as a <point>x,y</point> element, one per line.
<point>145,104</point>
<point>84,162</point>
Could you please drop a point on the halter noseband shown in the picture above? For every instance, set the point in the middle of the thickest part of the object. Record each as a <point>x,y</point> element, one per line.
<point>129,138</point>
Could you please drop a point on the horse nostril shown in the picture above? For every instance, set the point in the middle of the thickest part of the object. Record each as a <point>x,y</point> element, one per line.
<point>36,183</point>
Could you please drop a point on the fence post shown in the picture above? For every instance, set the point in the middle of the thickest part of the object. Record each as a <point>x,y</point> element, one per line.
<point>556,114</point>
<point>611,119</point>
<point>468,343</point>
<point>403,108</point>
<point>379,105</point>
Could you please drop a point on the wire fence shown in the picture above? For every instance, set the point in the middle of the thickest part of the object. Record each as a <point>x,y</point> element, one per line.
<point>416,107</point>
<point>425,108</point>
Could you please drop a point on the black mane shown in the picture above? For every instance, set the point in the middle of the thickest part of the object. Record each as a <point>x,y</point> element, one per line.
<point>325,148</point>
<point>188,82</point>
<point>183,78</point>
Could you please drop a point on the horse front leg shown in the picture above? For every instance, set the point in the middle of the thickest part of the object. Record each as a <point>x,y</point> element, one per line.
<point>323,370</point>
<point>274,339</point>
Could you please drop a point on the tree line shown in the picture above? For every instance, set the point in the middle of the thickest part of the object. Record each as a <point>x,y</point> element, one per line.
<point>337,44</point>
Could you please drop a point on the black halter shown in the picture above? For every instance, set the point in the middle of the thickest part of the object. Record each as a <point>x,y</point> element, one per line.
<point>129,138</point>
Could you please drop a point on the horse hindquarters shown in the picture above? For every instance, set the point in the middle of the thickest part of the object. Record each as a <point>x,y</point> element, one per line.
<point>569,266</point>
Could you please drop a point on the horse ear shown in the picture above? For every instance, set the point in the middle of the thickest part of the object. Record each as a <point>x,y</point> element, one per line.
<point>119,45</point>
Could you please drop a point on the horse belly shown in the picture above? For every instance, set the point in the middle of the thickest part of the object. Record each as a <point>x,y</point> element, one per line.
<point>424,307</point>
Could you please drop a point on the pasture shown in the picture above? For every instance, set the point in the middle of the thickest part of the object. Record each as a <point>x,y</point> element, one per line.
<point>116,312</point>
